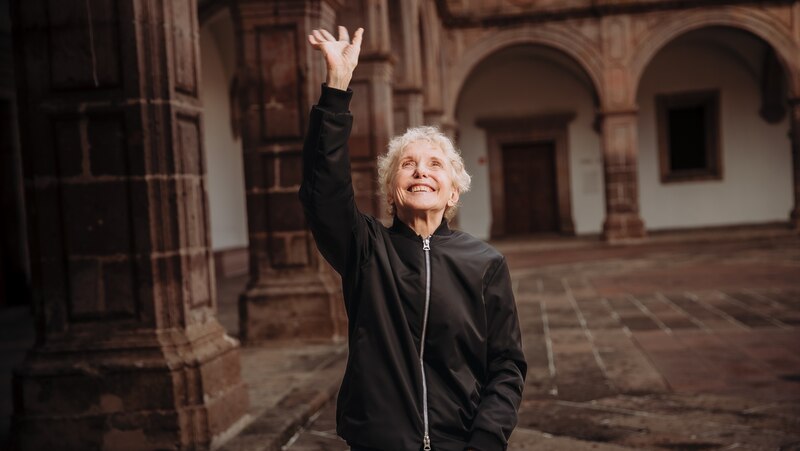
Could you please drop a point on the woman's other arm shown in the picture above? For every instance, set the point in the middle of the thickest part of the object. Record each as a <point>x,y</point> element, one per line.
<point>502,394</point>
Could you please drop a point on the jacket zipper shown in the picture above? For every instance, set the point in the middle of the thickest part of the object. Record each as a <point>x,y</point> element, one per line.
<point>426,247</point>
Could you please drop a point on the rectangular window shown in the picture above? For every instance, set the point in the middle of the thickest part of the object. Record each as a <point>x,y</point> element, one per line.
<point>688,136</point>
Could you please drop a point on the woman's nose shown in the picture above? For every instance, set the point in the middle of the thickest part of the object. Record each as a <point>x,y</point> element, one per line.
<point>422,171</point>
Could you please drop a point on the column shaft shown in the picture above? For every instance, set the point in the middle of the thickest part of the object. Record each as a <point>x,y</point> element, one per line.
<point>620,141</point>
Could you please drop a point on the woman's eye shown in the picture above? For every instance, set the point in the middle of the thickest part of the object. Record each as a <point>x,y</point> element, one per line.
<point>408,164</point>
<point>436,164</point>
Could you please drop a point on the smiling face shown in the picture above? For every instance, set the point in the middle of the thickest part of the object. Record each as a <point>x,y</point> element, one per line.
<point>422,183</point>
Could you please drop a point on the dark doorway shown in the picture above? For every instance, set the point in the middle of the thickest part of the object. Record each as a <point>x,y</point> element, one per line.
<point>529,181</point>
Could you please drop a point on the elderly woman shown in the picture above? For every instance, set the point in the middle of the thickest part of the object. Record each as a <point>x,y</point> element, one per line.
<point>435,356</point>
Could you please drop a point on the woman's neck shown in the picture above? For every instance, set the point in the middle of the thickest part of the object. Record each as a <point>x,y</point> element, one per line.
<point>423,223</point>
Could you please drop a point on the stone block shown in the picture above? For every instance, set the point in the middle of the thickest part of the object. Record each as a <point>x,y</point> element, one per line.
<point>199,279</point>
<point>192,219</point>
<point>284,213</point>
<point>69,149</point>
<point>107,145</point>
<point>189,151</point>
<point>267,314</point>
<point>79,59</point>
<point>145,238</point>
<point>96,218</point>
<point>278,62</point>
<point>121,290</point>
<point>162,234</point>
<point>85,288</point>
<point>184,42</point>
<point>291,170</point>
<point>256,212</point>
<point>258,170</point>
<point>44,211</point>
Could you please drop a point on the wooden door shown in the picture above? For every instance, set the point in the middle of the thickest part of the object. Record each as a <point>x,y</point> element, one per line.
<point>529,182</point>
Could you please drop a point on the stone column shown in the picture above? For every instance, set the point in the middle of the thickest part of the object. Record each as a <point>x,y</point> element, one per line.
<point>129,352</point>
<point>372,105</point>
<point>291,293</point>
<point>372,130</point>
<point>794,118</point>
<point>619,127</point>
<point>405,37</point>
<point>620,142</point>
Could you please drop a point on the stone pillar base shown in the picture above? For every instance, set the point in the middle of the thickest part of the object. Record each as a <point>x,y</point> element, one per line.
<point>307,306</point>
<point>619,227</point>
<point>162,390</point>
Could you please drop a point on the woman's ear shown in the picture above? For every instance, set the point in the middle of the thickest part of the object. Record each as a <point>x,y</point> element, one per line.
<point>453,198</point>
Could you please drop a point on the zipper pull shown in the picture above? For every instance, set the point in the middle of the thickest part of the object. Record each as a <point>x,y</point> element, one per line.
<point>427,443</point>
<point>426,244</point>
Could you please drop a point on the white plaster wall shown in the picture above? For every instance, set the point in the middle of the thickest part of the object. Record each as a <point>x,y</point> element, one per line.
<point>222,150</point>
<point>511,84</point>
<point>756,156</point>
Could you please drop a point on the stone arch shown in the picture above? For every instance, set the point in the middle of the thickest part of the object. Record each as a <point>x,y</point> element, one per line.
<point>760,24</point>
<point>581,49</point>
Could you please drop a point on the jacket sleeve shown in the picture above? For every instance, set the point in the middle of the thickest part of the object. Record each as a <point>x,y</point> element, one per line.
<point>326,191</point>
<point>506,366</point>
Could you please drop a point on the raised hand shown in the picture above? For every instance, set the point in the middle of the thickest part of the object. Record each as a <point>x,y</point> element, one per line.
<point>341,55</point>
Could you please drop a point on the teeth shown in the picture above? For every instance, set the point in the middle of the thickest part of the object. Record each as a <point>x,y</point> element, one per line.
<point>418,188</point>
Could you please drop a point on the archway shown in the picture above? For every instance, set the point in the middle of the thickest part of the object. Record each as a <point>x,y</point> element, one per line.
<point>524,110</point>
<point>759,24</point>
<point>707,157</point>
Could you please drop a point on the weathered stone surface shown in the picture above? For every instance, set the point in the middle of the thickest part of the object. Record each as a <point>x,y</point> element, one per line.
<point>281,78</point>
<point>129,353</point>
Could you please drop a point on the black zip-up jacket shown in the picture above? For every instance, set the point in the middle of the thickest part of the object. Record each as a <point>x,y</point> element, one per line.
<point>473,361</point>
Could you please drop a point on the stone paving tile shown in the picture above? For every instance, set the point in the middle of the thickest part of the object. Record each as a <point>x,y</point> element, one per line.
<point>628,370</point>
<point>527,439</point>
<point>683,370</point>
<point>320,434</point>
<point>789,298</point>
<point>642,428</point>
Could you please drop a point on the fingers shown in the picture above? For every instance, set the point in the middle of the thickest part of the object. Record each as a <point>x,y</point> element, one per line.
<point>327,35</point>
<point>343,34</point>
<point>357,37</point>
<point>320,36</point>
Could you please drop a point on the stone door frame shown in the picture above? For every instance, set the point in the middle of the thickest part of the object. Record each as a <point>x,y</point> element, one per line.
<point>537,127</point>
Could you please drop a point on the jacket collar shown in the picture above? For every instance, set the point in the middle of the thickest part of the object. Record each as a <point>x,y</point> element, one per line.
<point>402,228</point>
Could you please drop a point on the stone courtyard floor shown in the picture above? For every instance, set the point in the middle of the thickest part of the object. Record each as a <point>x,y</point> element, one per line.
<point>687,344</point>
<point>681,342</point>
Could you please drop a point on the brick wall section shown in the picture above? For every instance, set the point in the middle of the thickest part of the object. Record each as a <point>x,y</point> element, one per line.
<point>129,349</point>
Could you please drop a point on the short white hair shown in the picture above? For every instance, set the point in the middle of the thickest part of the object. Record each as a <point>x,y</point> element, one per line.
<point>388,163</point>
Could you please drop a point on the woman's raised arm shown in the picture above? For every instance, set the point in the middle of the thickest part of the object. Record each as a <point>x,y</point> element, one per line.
<point>327,190</point>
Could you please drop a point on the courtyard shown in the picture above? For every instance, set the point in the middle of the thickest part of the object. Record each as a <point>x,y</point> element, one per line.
<point>682,341</point>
